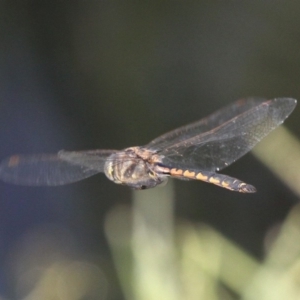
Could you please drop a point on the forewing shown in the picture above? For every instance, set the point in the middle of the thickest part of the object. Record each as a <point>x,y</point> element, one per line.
<point>220,146</point>
<point>92,159</point>
<point>52,169</point>
<point>204,125</point>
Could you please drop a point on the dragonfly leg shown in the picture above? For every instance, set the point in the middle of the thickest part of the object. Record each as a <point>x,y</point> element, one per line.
<point>221,180</point>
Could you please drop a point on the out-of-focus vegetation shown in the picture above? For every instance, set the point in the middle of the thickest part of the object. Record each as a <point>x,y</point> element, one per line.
<point>93,74</point>
<point>157,257</point>
<point>285,160</point>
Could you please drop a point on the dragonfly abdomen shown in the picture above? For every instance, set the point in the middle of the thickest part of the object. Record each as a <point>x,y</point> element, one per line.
<point>221,180</point>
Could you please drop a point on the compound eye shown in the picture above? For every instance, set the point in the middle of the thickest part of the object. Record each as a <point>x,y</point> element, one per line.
<point>151,174</point>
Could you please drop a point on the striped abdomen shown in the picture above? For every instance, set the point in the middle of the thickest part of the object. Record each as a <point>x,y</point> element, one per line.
<point>221,180</point>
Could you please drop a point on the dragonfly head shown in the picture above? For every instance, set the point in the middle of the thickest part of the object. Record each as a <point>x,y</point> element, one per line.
<point>128,168</point>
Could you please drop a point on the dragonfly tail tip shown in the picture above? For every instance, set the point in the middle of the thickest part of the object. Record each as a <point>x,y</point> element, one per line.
<point>248,188</point>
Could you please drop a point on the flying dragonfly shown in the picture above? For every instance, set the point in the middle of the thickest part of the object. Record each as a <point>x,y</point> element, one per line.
<point>196,151</point>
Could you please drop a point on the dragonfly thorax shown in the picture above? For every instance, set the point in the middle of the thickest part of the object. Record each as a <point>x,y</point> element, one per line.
<point>133,167</point>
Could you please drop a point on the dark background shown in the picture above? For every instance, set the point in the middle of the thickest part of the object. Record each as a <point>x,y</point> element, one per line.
<point>80,75</point>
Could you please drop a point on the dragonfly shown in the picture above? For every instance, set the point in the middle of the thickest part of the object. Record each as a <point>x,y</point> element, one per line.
<point>197,151</point>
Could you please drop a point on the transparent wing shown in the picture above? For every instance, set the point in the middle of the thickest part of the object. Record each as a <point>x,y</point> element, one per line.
<point>213,121</point>
<point>247,122</point>
<point>53,169</point>
<point>92,159</point>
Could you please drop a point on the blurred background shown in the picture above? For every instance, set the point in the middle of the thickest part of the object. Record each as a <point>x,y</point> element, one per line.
<point>79,75</point>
